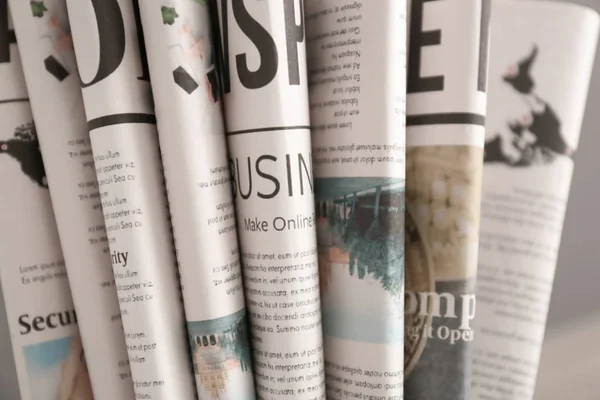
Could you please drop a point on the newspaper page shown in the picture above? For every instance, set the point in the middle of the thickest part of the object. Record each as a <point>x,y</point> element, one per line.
<point>118,102</point>
<point>187,95</point>
<point>446,104</point>
<point>268,128</point>
<point>540,66</point>
<point>52,79</point>
<point>41,318</point>
<point>357,72</point>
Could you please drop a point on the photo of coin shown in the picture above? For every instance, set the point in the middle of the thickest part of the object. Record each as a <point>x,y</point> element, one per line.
<point>444,187</point>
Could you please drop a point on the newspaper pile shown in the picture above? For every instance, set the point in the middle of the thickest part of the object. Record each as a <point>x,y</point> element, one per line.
<point>292,199</point>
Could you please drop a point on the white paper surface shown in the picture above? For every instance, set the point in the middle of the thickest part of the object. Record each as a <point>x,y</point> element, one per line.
<point>446,105</point>
<point>118,105</point>
<point>357,69</point>
<point>540,66</point>
<point>187,95</point>
<point>41,317</point>
<point>266,104</point>
<point>53,83</point>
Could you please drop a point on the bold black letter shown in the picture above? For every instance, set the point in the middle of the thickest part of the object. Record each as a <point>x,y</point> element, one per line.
<point>267,176</point>
<point>55,68</point>
<point>49,322</point>
<point>418,39</point>
<point>234,183</point>
<point>7,36</point>
<point>264,44</point>
<point>111,31</point>
<point>288,166</point>
<point>140,35</point>
<point>39,324</point>
<point>23,322</point>
<point>64,318</point>
<point>294,34</point>
<point>245,196</point>
<point>223,45</point>
<point>484,41</point>
<point>302,166</point>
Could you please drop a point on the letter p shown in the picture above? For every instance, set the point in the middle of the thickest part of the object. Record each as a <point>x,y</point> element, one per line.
<point>468,310</point>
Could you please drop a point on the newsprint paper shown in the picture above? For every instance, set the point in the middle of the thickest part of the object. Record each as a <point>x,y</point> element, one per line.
<point>357,70</point>
<point>41,318</point>
<point>52,80</point>
<point>118,103</point>
<point>263,57</point>
<point>187,96</point>
<point>446,104</point>
<point>540,65</point>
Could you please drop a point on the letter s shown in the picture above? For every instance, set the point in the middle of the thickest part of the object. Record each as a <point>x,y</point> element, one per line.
<point>267,176</point>
<point>264,44</point>
<point>23,322</point>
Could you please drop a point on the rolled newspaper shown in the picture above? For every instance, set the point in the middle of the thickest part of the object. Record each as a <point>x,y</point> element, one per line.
<point>266,103</point>
<point>118,104</point>
<point>41,317</point>
<point>356,68</point>
<point>447,74</point>
<point>187,95</point>
<point>42,29</point>
<point>540,65</point>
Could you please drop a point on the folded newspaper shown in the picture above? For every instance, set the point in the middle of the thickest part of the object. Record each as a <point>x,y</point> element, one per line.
<point>53,84</point>
<point>147,189</point>
<point>540,68</point>
<point>446,104</point>
<point>187,95</point>
<point>108,42</point>
<point>41,318</point>
<point>263,58</point>
<point>356,63</point>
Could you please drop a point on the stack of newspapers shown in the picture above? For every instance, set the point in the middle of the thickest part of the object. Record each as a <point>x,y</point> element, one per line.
<point>285,199</point>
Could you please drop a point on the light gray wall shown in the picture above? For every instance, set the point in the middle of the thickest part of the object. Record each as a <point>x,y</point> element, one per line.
<point>576,292</point>
<point>8,377</point>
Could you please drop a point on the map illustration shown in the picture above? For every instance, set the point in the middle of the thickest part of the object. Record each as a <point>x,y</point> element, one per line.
<point>24,148</point>
<point>534,138</point>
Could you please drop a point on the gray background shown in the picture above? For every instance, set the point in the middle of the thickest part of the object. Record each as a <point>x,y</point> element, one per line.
<point>576,294</point>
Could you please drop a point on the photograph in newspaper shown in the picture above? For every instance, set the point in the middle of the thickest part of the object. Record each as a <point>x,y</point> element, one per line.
<point>221,357</point>
<point>57,370</point>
